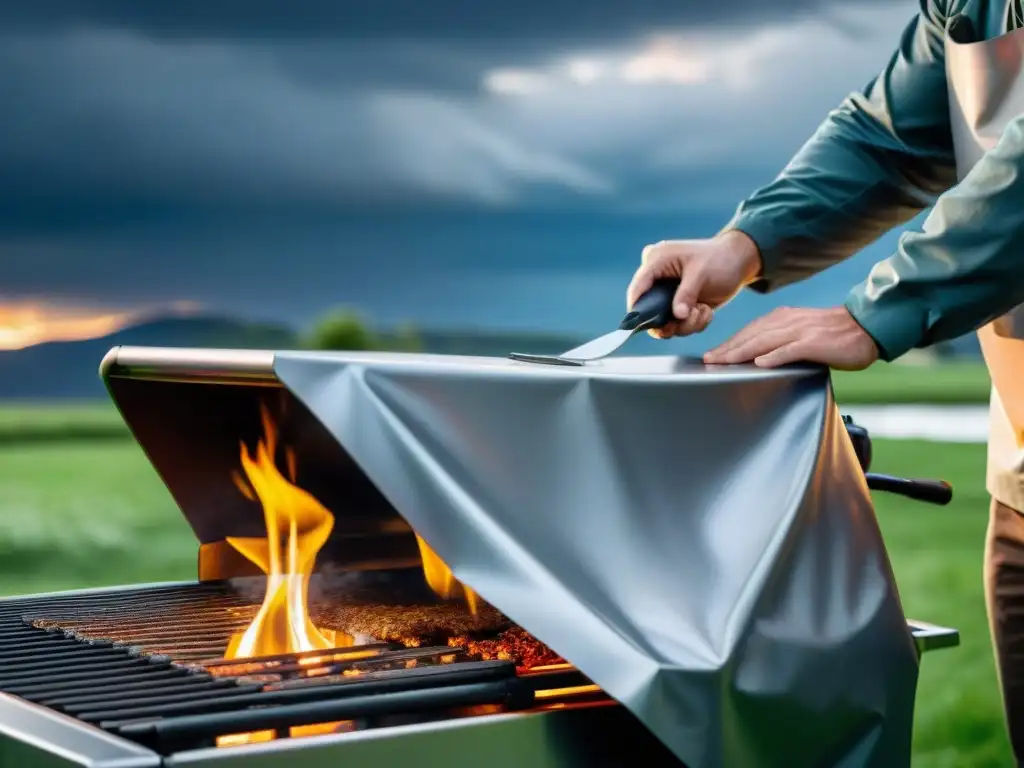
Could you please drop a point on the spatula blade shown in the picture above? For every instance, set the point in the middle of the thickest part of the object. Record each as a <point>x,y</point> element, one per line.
<point>543,359</point>
<point>592,350</point>
<point>652,310</point>
<point>600,347</point>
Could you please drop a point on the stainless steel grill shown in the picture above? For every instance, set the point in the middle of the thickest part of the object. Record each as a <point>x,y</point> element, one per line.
<point>137,677</point>
<point>144,666</point>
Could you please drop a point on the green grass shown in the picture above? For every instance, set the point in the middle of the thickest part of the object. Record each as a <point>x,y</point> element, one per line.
<point>945,383</point>
<point>24,423</point>
<point>82,512</point>
<point>85,513</point>
<point>15,417</point>
<point>937,555</point>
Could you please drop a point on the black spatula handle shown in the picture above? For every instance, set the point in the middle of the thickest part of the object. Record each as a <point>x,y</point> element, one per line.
<point>653,309</point>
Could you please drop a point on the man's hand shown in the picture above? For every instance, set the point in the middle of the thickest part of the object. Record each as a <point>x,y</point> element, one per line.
<point>710,271</point>
<point>827,336</point>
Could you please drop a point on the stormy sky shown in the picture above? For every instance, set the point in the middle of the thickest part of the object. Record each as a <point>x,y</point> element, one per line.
<point>448,163</point>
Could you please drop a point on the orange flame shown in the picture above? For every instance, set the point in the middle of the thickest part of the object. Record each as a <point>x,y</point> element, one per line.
<point>297,527</point>
<point>441,579</point>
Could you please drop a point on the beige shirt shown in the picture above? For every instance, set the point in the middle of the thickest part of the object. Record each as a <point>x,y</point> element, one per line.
<point>1004,356</point>
<point>986,94</point>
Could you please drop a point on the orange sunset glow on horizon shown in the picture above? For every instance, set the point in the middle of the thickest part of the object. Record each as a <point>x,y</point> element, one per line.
<point>26,323</point>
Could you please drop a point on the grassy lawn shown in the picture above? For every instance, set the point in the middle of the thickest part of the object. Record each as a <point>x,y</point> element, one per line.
<point>947,383</point>
<point>86,512</point>
<point>41,423</point>
<point>46,417</point>
<point>937,555</point>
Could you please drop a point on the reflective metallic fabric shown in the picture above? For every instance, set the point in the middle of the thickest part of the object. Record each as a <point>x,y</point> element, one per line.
<point>698,541</point>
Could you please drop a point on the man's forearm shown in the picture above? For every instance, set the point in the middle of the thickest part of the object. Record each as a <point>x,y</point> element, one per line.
<point>875,162</point>
<point>966,267</point>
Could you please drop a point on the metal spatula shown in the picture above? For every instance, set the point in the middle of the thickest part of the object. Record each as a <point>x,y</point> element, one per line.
<point>652,310</point>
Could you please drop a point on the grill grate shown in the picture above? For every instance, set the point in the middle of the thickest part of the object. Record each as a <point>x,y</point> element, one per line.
<point>147,664</point>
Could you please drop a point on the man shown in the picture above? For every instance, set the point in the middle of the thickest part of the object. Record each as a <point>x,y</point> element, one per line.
<point>943,124</point>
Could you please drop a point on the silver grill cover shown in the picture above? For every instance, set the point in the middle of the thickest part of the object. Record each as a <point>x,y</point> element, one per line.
<point>700,542</point>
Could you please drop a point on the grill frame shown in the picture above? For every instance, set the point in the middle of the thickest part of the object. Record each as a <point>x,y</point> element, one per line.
<point>556,737</point>
<point>424,692</point>
<point>570,737</point>
<point>565,738</point>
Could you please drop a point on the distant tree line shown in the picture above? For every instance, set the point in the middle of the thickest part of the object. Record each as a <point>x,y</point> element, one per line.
<point>343,329</point>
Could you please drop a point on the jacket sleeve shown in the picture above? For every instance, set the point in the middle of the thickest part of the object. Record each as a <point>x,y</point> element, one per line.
<point>963,270</point>
<point>878,160</point>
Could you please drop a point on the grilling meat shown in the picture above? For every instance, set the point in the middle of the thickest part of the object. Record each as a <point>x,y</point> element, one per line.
<point>514,644</point>
<point>392,606</point>
<point>411,625</point>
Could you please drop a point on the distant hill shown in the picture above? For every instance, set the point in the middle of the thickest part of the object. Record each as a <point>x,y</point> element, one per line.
<point>68,370</point>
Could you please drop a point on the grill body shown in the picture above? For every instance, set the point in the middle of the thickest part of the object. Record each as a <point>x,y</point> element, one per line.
<point>456,450</point>
<point>34,734</point>
<point>561,736</point>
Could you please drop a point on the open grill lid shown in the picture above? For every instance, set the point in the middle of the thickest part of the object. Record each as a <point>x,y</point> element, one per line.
<point>698,541</point>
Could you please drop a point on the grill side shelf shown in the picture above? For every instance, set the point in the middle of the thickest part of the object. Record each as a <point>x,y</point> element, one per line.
<point>931,637</point>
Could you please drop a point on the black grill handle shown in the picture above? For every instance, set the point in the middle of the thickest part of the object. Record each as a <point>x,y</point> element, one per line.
<point>932,491</point>
<point>861,442</point>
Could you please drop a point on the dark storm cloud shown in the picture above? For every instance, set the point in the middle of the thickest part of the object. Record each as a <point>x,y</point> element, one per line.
<point>107,127</point>
<point>120,110</point>
<point>101,123</point>
<point>241,152</point>
<point>416,19</point>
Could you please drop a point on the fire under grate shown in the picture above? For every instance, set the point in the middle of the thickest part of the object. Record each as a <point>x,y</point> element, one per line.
<point>147,665</point>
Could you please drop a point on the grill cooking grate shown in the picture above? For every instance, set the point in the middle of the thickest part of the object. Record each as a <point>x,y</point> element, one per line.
<point>146,664</point>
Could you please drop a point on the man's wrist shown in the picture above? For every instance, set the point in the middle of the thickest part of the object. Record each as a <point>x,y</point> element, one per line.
<point>878,351</point>
<point>747,251</point>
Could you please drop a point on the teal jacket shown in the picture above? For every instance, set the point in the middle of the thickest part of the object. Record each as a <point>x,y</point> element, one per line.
<point>878,160</point>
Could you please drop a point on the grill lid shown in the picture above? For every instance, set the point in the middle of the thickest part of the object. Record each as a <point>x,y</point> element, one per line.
<point>699,542</point>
